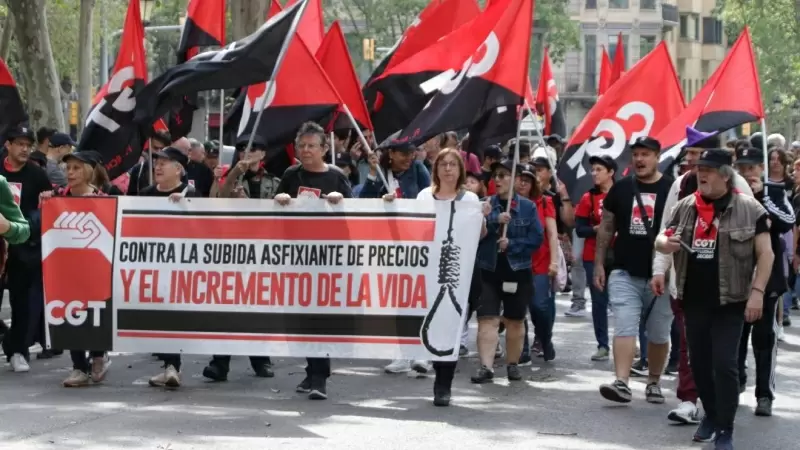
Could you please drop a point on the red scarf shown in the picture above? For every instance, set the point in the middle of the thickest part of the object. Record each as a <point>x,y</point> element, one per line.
<point>705,212</point>
<point>9,168</point>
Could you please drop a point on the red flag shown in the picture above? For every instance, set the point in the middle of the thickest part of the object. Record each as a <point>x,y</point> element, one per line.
<point>547,101</point>
<point>334,57</point>
<point>605,73</point>
<point>618,69</point>
<point>311,28</point>
<point>731,97</point>
<point>274,8</point>
<point>630,109</point>
<point>492,72</point>
<point>204,27</point>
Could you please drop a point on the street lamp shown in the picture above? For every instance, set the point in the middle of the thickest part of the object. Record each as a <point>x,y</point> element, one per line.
<point>146,10</point>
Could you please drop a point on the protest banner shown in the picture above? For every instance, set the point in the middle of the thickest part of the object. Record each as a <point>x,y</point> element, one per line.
<point>362,279</point>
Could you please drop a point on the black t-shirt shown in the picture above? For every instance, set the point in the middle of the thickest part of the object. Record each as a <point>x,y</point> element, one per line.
<point>152,191</point>
<point>698,290</point>
<point>110,189</point>
<point>297,180</point>
<point>561,228</point>
<point>30,181</point>
<point>634,248</point>
<point>201,176</point>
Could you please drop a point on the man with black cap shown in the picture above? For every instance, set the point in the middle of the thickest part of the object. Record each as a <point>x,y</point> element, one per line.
<point>632,211</point>
<point>60,144</point>
<point>212,154</point>
<point>717,234</point>
<point>750,164</point>
<point>24,266</point>
<point>696,142</point>
<point>140,173</point>
<point>556,142</point>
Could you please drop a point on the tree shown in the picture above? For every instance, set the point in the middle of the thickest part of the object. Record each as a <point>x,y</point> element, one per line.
<point>247,16</point>
<point>5,39</point>
<point>85,59</point>
<point>37,64</point>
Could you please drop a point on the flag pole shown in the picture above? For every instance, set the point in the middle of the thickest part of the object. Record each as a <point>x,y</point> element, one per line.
<point>764,147</point>
<point>276,69</point>
<point>150,160</point>
<point>221,118</point>
<point>513,169</point>
<point>366,146</point>
<point>530,112</point>
<point>333,150</point>
<point>208,122</point>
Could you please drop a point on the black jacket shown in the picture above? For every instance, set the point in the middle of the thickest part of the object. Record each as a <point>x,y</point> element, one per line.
<point>782,219</point>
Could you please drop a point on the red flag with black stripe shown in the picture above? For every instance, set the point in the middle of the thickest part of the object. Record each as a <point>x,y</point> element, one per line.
<point>547,102</point>
<point>10,102</point>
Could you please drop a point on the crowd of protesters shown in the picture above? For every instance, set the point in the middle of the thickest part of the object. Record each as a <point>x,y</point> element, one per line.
<point>645,245</point>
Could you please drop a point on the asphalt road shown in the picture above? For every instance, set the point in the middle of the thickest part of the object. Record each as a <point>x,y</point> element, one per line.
<point>557,406</point>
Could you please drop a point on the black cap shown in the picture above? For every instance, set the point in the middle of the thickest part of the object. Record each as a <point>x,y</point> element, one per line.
<point>506,164</point>
<point>211,146</point>
<point>648,143</point>
<point>87,157</point>
<point>526,169</point>
<point>554,137</point>
<point>173,154</point>
<point>477,176</point>
<point>541,161</point>
<point>258,143</point>
<point>20,131</point>
<point>61,139</point>
<point>749,155</point>
<point>94,154</point>
<point>716,158</point>
<point>39,158</point>
<point>604,160</point>
<point>493,151</point>
<point>344,160</point>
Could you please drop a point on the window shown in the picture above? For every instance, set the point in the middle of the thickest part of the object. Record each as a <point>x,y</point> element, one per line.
<point>618,4</point>
<point>612,47</point>
<point>647,4</point>
<point>712,31</point>
<point>591,4</point>
<point>696,20</point>
<point>590,61</point>
<point>684,26</point>
<point>646,45</point>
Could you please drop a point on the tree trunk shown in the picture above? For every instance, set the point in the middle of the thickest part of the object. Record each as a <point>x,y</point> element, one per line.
<point>5,39</point>
<point>36,61</point>
<point>85,61</point>
<point>247,16</point>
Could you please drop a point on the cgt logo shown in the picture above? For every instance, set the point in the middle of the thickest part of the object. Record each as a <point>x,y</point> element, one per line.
<point>78,230</point>
<point>704,243</point>
<point>74,312</point>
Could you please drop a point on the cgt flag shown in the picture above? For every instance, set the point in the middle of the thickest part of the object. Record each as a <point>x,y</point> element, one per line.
<point>10,102</point>
<point>254,59</point>
<point>493,73</point>
<point>547,101</point>
<point>630,109</point>
<point>731,97</point>
<point>109,128</point>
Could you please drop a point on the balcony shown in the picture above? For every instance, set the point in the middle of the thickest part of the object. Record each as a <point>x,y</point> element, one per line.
<point>713,52</point>
<point>670,16</point>
<point>689,49</point>
<point>690,6</point>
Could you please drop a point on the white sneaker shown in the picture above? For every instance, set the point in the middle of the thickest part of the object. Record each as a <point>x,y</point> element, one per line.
<point>686,413</point>
<point>780,334</point>
<point>421,367</point>
<point>19,364</point>
<point>398,366</point>
<point>575,311</point>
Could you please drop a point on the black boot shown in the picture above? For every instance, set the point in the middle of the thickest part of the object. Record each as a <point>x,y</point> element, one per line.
<point>441,395</point>
<point>215,371</point>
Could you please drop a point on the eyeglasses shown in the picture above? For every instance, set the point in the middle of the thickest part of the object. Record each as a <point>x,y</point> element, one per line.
<point>525,180</point>
<point>500,176</point>
<point>307,146</point>
<point>449,164</point>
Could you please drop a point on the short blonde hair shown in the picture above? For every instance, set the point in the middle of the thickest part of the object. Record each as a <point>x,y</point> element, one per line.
<point>462,171</point>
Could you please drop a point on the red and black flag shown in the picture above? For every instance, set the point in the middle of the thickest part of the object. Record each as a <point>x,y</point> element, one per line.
<point>483,67</point>
<point>630,109</point>
<point>605,74</point>
<point>390,113</point>
<point>334,57</point>
<point>547,102</point>
<point>618,67</point>
<point>252,60</point>
<point>312,26</point>
<point>204,27</point>
<point>110,128</point>
<point>731,97</point>
<point>10,102</point>
<point>274,8</point>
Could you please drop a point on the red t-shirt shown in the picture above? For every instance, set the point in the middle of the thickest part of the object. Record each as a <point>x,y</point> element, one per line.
<point>584,210</point>
<point>541,258</point>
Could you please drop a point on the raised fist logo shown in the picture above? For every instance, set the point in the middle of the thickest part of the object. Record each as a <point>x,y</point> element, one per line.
<point>78,230</point>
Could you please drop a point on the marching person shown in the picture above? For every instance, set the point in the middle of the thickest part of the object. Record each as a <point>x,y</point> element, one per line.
<point>727,239</point>
<point>750,164</point>
<point>588,215</point>
<point>632,210</point>
<point>199,175</point>
<point>313,177</point>
<point>507,281</point>
<point>140,173</point>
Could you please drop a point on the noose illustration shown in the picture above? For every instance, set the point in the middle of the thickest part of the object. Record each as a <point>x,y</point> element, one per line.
<point>449,270</point>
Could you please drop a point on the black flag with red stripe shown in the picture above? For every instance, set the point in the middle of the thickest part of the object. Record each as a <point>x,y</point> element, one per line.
<point>10,102</point>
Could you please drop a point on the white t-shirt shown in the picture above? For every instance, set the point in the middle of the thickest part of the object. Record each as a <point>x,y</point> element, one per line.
<point>427,194</point>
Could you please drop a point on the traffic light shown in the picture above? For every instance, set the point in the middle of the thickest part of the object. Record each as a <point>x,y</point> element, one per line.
<point>369,49</point>
<point>73,113</point>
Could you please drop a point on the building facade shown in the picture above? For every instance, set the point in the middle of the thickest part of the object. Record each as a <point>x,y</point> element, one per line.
<point>693,35</point>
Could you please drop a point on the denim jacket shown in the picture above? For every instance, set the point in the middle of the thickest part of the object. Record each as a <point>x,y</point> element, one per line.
<point>412,181</point>
<point>524,234</point>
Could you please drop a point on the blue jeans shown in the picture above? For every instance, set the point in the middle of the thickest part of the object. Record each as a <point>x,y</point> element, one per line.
<point>643,341</point>
<point>599,307</point>
<point>543,311</point>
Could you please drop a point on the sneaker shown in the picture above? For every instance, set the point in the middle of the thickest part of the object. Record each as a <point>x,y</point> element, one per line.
<point>600,355</point>
<point>305,386</point>
<point>549,352</point>
<point>787,321</point>
<point>780,334</point>
<point>215,372</point>
<point>672,368</point>
<point>49,354</point>
<point>652,394</point>
<point>537,348</point>
<point>525,360</point>
<point>764,407</point>
<point>463,351</point>
<point>441,395</point>
<point>639,369</point>
<point>19,363</point>
<point>513,372</point>
<point>483,375</point>
<point>617,391</point>
<point>76,378</point>
<point>100,367</point>
<point>724,440</point>
<point>686,413</point>
<point>318,390</point>
<point>421,367</point>
<point>576,311</point>
<point>705,431</point>
<point>398,366</point>
<point>169,378</point>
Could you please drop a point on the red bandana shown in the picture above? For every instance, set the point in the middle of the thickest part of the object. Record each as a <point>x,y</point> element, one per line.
<point>705,212</point>
<point>9,168</point>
